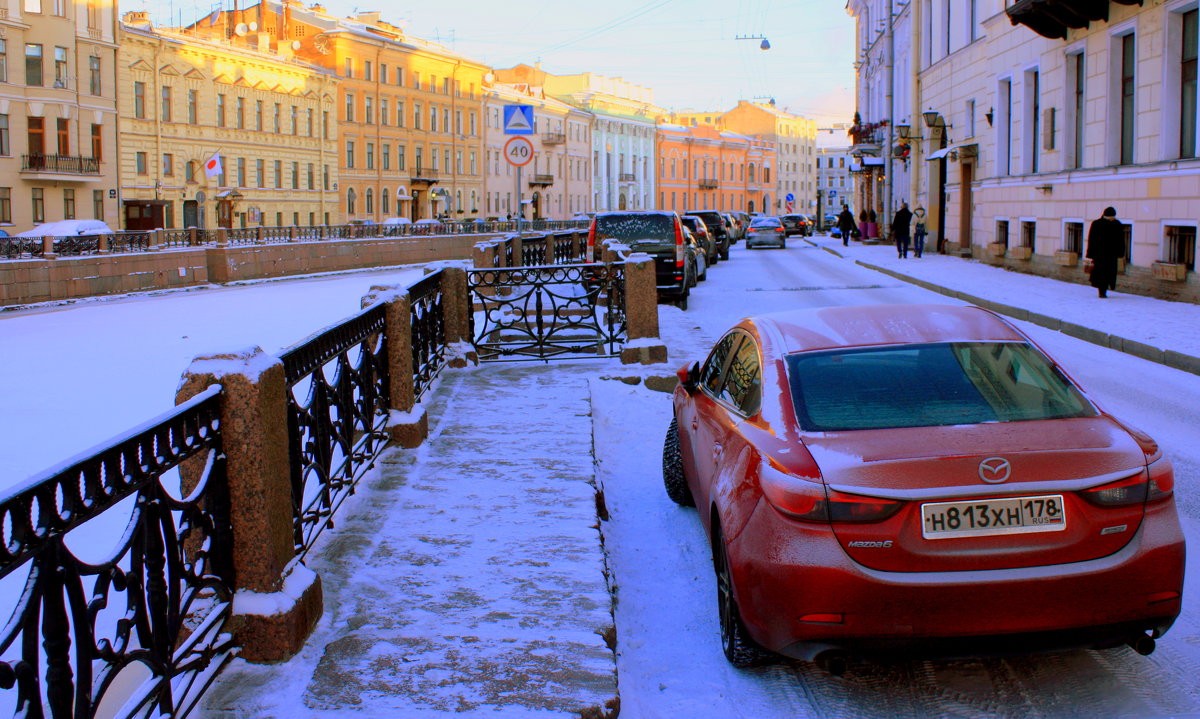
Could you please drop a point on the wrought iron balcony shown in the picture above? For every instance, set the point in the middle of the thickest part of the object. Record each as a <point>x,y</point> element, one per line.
<point>1052,18</point>
<point>424,174</point>
<point>60,164</point>
<point>626,177</point>
<point>553,138</point>
<point>709,183</point>
<point>543,180</point>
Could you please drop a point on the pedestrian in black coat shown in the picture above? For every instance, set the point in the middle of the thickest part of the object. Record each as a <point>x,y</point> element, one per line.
<point>1106,245</point>
<point>900,231</point>
<point>845,223</point>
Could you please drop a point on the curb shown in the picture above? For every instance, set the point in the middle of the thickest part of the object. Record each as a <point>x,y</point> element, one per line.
<point>1169,358</point>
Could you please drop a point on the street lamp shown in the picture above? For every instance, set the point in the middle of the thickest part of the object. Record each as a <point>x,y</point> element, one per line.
<point>764,45</point>
<point>932,118</point>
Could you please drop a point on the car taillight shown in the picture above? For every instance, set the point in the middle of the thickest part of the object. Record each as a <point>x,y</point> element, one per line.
<point>811,501</point>
<point>1155,483</point>
<point>678,244</point>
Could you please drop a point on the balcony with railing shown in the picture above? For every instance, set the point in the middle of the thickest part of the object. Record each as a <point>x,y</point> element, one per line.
<point>541,180</point>
<point>709,183</point>
<point>424,174</point>
<point>58,165</point>
<point>626,177</point>
<point>553,138</point>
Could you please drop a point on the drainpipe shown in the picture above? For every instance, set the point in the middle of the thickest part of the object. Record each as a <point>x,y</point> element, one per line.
<point>889,52</point>
<point>918,146</point>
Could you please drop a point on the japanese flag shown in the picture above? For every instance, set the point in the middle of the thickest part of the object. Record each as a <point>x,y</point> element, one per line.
<point>212,168</point>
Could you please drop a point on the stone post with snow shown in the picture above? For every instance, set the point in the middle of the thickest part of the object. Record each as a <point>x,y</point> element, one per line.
<point>278,600</point>
<point>643,346</point>
<point>408,425</point>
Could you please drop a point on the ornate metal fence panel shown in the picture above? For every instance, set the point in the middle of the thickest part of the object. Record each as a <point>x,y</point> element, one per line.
<point>428,319</point>
<point>129,242</point>
<point>12,248</point>
<point>338,404</point>
<point>548,312</point>
<point>533,251</point>
<point>136,623</point>
<point>174,238</point>
<point>73,245</point>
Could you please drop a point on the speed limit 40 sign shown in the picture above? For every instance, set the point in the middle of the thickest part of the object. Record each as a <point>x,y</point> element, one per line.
<point>518,151</point>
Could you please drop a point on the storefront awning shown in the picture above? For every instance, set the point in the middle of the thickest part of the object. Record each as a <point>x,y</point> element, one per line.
<point>963,149</point>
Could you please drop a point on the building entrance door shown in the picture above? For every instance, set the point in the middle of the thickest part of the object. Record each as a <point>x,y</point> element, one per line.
<point>191,213</point>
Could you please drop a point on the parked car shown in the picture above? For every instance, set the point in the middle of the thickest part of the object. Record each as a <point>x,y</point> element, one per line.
<point>716,225</point>
<point>744,219</point>
<point>68,228</point>
<point>660,234</point>
<point>703,236</point>
<point>767,231</point>
<point>396,221</point>
<point>919,479</point>
<point>697,257</point>
<point>795,224</point>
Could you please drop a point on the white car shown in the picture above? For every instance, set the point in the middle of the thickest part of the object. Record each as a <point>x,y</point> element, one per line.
<point>68,228</point>
<point>396,221</point>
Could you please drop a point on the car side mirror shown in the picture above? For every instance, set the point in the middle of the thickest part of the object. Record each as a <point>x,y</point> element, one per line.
<point>689,377</point>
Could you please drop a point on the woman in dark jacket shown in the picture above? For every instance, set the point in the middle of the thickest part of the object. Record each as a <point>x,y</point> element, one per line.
<point>1106,245</point>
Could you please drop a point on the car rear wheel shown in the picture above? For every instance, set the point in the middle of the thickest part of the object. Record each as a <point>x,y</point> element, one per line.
<point>741,651</point>
<point>672,466</point>
<point>724,253</point>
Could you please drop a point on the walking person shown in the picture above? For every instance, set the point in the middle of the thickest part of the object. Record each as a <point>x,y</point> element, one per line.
<point>1105,245</point>
<point>919,231</point>
<point>900,231</point>
<point>845,222</point>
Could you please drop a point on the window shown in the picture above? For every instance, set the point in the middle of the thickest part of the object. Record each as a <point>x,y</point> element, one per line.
<point>714,366</point>
<point>368,111</point>
<point>1127,106</point>
<point>98,204</point>
<point>34,6</point>
<point>220,110</point>
<point>399,77</point>
<point>189,171</point>
<point>366,69</point>
<point>370,156</point>
<point>349,107</point>
<point>416,116</point>
<point>68,204</point>
<point>383,74</point>
<point>1031,120</point>
<point>350,154</point>
<point>311,177</point>
<point>399,113</point>
<point>37,136</point>
<point>1002,232</point>
<point>168,165</point>
<point>384,203</point>
<point>310,122</point>
<point>4,61</point>
<point>1187,86</point>
<point>165,110</point>
<point>139,100</point>
<point>742,380</point>
<point>278,174</point>
<point>433,119</point>
<point>258,115</point>
<point>383,111</point>
<point>97,142</point>
<point>349,67</point>
<point>416,83</point>
<point>260,179</point>
<point>5,140</point>
<point>1181,246</point>
<point>296,175</point>
<point>241,172</point>
<point>351,196</point>
<point>1073,237</point>
<point>1028,233</point>
<point>60,67</point>
<point>6,204</point>
<point>239,112</point>
<point>1003,118</point>
<point>94,84</point>
<point>38,199</point>
<point>400,157</point>
<point>1074,125</point>
<point>386,159</point>
<point>63,134</point>
<point>193,105</point>
<point>277,118</point>
<point>370,203</point>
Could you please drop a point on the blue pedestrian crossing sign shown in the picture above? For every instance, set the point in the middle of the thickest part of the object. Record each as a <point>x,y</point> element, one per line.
<point>518,119</point>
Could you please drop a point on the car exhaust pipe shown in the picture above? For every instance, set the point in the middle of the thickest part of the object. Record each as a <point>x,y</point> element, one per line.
<point>833,661</point>
<point>1142,644</point>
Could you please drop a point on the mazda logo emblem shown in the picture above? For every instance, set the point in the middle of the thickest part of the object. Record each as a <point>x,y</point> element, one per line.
<point>994,470</point>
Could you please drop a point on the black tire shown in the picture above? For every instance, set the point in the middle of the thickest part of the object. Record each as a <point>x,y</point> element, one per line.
<point>682,302</point>
<point>741,651</point>
<point>724,253</point>
<point>784,245</point>
<point>672,466</point>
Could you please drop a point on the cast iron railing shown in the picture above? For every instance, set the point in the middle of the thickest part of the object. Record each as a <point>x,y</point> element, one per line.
<point>428,321</point>
<point>533,251</point>
<point>338,402</point>
<point>66,164</point>
<point>139,623</point>
<point>548,312</point>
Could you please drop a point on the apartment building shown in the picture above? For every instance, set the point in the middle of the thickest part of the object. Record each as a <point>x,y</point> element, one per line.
<point>1025,122</point>
<point>703,168</point>
<point>409,117</point>
<point>259,114</point>
<point>834,186</point>
<point>557,181</point>
<point>794,139</point>
<point>58,112</point>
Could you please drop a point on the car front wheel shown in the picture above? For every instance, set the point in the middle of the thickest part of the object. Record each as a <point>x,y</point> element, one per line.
<point>741,651</point>
<point>672,466</point>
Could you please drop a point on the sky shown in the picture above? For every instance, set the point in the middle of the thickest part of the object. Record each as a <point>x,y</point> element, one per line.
<point>687,51</point>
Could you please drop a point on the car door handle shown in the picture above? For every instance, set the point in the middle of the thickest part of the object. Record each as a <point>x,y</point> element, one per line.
<point>695,423</point>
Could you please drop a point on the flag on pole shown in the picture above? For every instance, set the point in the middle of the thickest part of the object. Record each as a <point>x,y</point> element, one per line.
<point>212,168</point>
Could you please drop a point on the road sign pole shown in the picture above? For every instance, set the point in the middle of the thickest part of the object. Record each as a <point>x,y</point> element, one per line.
<point>520,207</point>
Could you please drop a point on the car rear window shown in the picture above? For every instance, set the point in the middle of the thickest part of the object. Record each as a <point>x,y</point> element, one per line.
<point>929,385</point>
<point>762,222</point>
<point>636,228</point>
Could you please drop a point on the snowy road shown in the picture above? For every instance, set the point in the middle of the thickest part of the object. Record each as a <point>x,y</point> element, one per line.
<point>669,658</point>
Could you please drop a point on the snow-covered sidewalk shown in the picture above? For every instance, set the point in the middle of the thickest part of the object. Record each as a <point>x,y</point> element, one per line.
<point>1149,328</point>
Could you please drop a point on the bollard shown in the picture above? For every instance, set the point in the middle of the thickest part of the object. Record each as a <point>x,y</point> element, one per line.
<point>408,425</point>
<point>456,309</point>
<point>641,313</point>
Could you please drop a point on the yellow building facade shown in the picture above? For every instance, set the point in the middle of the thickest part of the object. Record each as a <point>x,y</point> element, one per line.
<point>409,112</point>
<point>266,116</point>
<point>795,142</point>
<point>58,112</point>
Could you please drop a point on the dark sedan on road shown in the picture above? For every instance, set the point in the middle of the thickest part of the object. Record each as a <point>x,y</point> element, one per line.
<point>797,225</point>
<point>919,479</point>
<point>766,231</point>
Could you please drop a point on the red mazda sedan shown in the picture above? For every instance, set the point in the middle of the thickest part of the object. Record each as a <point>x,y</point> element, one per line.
<point>917,479</point>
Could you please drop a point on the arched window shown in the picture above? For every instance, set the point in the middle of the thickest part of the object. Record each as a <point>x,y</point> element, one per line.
<point>370,201</point>
<point>384,201</point>
<point>474,202</point>
<point>351,196</point>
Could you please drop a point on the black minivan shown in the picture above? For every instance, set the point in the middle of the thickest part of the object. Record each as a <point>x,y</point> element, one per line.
<point>657,233</point>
